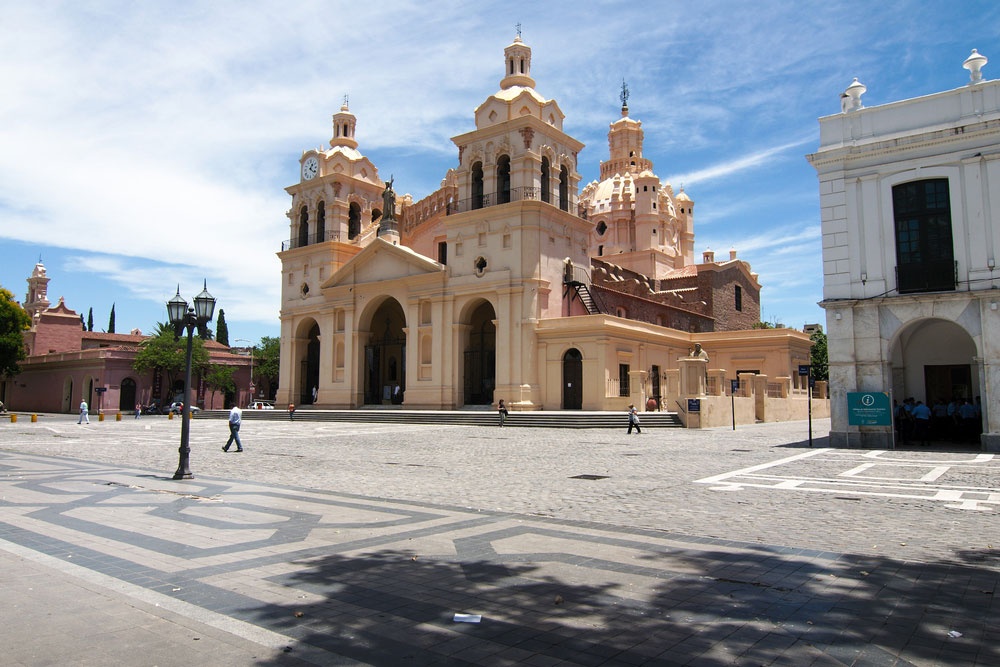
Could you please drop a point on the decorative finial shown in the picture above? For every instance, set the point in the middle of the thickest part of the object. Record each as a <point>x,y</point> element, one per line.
<point>624,95</point>
<point>518,28</point>
<point>852,101</point>
<point>974,63</point>
<point>345,99</point>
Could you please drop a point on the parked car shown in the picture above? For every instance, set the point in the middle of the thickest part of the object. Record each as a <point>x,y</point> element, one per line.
<point>176,408</point>
<point>261,405</point>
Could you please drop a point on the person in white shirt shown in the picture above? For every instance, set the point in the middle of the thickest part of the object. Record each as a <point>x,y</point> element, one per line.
<point>235,417</point>
<point>84,413</point>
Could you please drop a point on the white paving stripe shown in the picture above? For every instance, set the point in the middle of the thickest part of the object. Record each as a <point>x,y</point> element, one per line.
<point>886,477</point>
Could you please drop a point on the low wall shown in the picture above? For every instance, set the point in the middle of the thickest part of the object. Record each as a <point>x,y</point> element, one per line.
<point>717,411</point>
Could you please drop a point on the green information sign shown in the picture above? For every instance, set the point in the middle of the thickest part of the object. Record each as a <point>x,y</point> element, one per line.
<point>868,408</point>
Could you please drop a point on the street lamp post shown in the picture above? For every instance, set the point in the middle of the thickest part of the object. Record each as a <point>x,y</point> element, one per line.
<point>184,317</point>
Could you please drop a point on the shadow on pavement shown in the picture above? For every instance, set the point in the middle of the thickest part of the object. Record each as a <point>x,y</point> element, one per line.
<point>757,606</point>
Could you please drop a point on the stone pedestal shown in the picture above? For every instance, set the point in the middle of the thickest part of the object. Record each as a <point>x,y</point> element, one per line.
<point>694,372</point>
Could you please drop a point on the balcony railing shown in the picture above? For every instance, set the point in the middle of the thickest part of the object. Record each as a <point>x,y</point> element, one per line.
<point>497,198</point>
<point>311,239</point>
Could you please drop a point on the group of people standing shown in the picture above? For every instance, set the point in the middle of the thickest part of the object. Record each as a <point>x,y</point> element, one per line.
<point>959,420</point>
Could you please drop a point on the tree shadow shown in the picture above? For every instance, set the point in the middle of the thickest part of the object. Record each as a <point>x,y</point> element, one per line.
<point>745,605</point>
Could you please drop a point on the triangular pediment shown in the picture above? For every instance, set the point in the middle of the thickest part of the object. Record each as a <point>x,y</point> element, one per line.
<point>382,261</point>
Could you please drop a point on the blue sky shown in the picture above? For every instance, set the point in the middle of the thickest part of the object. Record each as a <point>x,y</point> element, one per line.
<point>148,144</point>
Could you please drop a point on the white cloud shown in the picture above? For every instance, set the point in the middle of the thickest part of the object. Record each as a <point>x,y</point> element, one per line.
<point>156,138</point>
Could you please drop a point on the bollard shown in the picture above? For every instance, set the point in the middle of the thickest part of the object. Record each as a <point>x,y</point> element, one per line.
<point>118,416</point>
<point>170,415</point>
<point>34,418</point>
<point>13,418</point>
<point>100,416</point>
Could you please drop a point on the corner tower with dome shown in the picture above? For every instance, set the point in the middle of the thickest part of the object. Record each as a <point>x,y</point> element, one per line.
<point>508,281</point>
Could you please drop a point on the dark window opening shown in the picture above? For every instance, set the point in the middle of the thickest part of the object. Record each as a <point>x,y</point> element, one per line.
<point>354,220</point>
<point>443,252</point>
<point>564,188</point>
<point>546,186</point>
<point>304,227</point>
<point>503,179</point>
<point>623,388</point>
<point>477,185</point>
<point>925,260</point>
<point>321,222</point>
<point>739,298</point>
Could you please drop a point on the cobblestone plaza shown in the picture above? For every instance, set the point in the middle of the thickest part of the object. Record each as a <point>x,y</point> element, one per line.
<point>340,543</point>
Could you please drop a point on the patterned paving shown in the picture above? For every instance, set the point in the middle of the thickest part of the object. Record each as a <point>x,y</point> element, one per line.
<point>345,578</point>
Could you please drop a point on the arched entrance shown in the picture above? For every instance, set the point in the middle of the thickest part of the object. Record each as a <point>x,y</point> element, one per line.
<point>385,355</point>
<point>309,375</point>
<point>933,360</point>
<point>481,356</point>
<point>126,396</point>
<point>572,372</point>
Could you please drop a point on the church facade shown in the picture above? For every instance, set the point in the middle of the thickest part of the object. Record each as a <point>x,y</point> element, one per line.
<point>513,280</point>
<point>910,242</point>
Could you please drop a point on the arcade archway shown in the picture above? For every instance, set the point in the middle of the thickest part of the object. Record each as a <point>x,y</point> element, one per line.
<point>932,359</point>
<point>481,356</point>
<point>385,355</point>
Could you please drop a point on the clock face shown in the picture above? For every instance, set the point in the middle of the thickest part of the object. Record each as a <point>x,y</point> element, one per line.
<point>310,168</point>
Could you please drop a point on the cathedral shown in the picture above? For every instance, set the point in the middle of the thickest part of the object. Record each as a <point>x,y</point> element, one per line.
<point>513,280</point>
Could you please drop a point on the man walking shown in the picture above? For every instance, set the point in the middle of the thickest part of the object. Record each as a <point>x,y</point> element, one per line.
<point>633,420</point>
<point>235,417</point>
<point>84,413</point>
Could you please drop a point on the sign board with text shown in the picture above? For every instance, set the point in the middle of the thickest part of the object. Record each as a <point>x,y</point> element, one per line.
<point>868,408</point>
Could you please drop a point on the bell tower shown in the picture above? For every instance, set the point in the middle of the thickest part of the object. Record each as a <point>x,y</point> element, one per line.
<point>36,300</point>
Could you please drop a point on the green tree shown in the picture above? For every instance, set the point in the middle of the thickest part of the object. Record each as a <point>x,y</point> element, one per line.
<point>13,321</point>
<point>220,378</point>
<point>818,357</point>
<point>90,320</point>
<point>83,322</point>
<point>266,360</point>
<point>111,322</point>
<point>163,352</point>
<point>221,329</point>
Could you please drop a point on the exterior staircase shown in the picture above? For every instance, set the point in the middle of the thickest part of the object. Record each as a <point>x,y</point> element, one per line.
<point>471,417</point>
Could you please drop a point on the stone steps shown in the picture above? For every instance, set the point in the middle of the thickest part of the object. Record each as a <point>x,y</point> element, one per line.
<point>535,419</point>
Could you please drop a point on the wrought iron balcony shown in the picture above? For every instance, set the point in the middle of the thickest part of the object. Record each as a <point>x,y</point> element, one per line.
<point>933,276</point>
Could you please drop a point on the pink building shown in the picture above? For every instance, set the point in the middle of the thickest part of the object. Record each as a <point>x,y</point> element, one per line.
<point>66,364</point>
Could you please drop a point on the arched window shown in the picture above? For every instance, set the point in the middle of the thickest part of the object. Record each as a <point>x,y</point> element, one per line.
<point>546,186</point>
<point>477,185</point>
<point>353,221</point>
<point>503,179</point>
<point>564,188</point>
<point>303,227</point>
<point>321,222</point>
<point>925,255</point>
